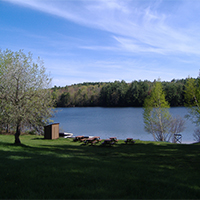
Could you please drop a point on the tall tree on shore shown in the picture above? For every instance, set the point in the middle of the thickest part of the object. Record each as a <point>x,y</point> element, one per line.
<point>156,114</point>
<point>24,91</point>
<point>192,97</point>
<point>157,118</point>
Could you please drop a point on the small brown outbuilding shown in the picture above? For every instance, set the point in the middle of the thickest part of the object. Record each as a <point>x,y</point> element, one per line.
<point>51,131</point>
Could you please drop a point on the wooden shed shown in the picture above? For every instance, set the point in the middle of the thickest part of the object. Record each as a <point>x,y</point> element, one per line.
<point>51,131</point>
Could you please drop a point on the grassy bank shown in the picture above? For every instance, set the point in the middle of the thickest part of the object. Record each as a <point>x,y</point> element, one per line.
<point>66,169</point>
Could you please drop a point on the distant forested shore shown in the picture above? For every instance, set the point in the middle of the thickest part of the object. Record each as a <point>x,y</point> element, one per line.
<point>116,94</point>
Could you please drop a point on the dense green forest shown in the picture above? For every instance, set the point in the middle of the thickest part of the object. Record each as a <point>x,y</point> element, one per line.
<point>116,94</point>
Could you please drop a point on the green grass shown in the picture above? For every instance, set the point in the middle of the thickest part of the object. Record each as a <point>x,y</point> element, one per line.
<point>63,169</point>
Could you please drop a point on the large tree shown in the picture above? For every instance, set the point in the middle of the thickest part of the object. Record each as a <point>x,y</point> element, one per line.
<point>24,92</point>
<point>156,114</point>
<point>157,118</point>
<point>192,98</point>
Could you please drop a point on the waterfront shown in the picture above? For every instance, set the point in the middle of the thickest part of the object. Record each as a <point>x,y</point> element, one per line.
<point>113,122</point>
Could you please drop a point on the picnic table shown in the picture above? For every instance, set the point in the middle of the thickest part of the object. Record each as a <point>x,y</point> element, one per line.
<point>113,139</point>
<point>92,140</point>
<point>78,138</point>
<point>108,142</point>
<point>129,141</point>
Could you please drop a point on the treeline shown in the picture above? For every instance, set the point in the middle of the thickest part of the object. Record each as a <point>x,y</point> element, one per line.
<point>116,94</point>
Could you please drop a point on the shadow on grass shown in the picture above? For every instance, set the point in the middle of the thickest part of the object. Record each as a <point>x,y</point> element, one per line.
<point>71,170</point>
<point>14,145</point>
<point>37,139</point>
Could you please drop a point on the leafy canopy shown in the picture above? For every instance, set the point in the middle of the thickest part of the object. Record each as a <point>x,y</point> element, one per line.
<point>192,96</point>
<point>156,115</point>
<point>24,92</point>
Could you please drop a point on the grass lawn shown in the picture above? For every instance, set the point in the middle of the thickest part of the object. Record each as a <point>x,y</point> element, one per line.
<point>63,169</point>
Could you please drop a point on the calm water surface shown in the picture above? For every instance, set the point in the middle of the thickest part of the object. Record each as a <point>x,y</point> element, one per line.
<point>116,122</point>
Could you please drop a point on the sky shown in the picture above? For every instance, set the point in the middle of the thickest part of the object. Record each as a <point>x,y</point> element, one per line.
<point>105,40</point>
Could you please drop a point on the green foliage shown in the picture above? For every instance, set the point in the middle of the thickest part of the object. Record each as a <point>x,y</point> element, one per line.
<point>156,114</point>
<point>192,92</point>
<point>64,99</point>
<point>174,91</point>
<point>137,92</point>
<point>156,99</point>
<point>25,96</point>
<point>117,94</point>
<point>192,97</point>
<point>113,94</point>
<point>157,118</point>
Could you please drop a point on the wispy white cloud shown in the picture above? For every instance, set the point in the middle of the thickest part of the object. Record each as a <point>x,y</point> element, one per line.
<point>135,29</point>
<point>142,28</point>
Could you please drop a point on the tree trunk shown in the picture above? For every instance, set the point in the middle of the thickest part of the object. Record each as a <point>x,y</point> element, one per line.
<point>17,134</point>
<point>7,128</point>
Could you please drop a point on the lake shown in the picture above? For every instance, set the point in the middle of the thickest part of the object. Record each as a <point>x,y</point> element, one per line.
<point>113,122</point>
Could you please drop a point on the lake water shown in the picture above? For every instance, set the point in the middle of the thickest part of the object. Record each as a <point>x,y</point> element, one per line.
<point>113,122</point>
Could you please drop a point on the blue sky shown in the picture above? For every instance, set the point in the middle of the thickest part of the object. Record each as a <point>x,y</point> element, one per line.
<point>106,40</point>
